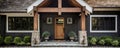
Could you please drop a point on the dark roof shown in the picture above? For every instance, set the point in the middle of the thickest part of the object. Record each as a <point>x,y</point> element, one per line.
<point>15,5</point>
<point>103,3</point>
<point>21,5</point>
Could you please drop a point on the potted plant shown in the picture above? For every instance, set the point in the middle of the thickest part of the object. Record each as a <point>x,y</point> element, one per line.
<point>46,35</point>
<point>72,35</point>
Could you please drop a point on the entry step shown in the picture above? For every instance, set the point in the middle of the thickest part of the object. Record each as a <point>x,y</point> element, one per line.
<point>58,44</point>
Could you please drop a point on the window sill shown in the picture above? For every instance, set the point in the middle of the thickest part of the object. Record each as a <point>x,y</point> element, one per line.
<point>103,31</point>
<point>20,31</point>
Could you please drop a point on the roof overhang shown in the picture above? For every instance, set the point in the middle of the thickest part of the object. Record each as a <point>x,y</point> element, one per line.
<point>83,3</point>
<point>34,4</point>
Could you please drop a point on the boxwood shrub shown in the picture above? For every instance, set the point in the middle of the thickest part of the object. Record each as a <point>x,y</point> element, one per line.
<point>8,40</point>
<point>93,41</point>
<point>17,40</point>
<point>115,43</point>
<point>27,39</point>
<point>101,42</point>
<point>108,41</point>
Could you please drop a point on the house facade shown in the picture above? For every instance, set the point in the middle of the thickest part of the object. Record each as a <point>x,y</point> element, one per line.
<point>59,17</point>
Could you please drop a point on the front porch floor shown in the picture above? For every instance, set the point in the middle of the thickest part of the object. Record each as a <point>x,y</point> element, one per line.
<point>57,44</point>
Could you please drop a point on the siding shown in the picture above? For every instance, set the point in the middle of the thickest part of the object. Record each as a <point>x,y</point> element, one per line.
<point>2,25</point>
<point>68,27</point>
<point>18,34</point>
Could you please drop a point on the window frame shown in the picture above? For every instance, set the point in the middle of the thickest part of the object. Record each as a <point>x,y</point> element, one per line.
<point>18,31</point>
<point>102,31</point>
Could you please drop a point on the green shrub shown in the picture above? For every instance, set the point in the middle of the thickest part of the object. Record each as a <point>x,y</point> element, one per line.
<point>21,43</point>
<point>26,39</point>
<point>1,39</point>
<point>101,42</point>
<point>17,40</point>
<point>93,41</point>
<point>46,34</point>
<point>115,43</point>
<point>71,34</point>
<point>108,41</point>
<point>8,40</point>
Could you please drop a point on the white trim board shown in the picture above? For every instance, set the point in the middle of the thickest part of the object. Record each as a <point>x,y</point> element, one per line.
<point>34,4</point>
<point>103,30</point>
<point>25,31</point>
<point>83,3</point>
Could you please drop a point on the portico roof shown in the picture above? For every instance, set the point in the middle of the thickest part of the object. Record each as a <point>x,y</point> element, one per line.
<point>27,5</point>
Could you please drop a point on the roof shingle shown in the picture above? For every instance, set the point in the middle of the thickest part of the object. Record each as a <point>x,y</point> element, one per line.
<point>103,3</point>
<point>15,4</point>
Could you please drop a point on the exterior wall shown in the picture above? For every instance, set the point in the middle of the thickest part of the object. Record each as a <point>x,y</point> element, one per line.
<point>19,34</point>
<point>2,25</point>
<point>107,33</point>
<point>68,27</point>
<point>3,19</point>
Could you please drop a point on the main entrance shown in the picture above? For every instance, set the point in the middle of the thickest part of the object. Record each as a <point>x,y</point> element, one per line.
<point>59,28</point>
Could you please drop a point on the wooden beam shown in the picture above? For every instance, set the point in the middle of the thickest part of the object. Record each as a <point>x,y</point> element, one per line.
<point>83,24</point>
<point>71,10</point>
<point>74,3</point>
<point>57,10</point>
<point>59,7</point>
<point>47,9</point>
<point>35,20</point>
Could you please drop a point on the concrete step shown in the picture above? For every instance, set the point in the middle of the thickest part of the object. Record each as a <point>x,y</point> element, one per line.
<point>58,44</point>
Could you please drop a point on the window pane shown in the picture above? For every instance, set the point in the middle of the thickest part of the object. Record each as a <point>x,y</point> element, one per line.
<point>20,23</point>
<point>103,23</point>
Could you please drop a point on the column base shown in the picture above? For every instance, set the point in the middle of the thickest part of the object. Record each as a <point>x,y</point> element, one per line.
<point>35,38</point>
<point>83,38</point>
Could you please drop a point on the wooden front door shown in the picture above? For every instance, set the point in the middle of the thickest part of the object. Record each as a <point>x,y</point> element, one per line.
<point>59,28</point>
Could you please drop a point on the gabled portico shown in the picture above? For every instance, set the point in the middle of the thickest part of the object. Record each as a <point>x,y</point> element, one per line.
<point>79,7</point>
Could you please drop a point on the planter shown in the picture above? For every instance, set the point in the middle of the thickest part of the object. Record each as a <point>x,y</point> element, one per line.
<point>72,38</point>
<point>46,38</point>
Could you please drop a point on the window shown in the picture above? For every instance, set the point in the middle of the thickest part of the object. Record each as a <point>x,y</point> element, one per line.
<point>69,20</point>
<point>59,21</point>
<point>19,24</point>
<point>49,20</point>
<point>103,23</point>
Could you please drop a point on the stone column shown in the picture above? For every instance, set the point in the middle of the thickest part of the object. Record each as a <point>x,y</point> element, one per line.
<point>83,38</point>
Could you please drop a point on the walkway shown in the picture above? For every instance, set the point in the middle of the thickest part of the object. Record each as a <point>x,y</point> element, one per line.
<point>59,47</point>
